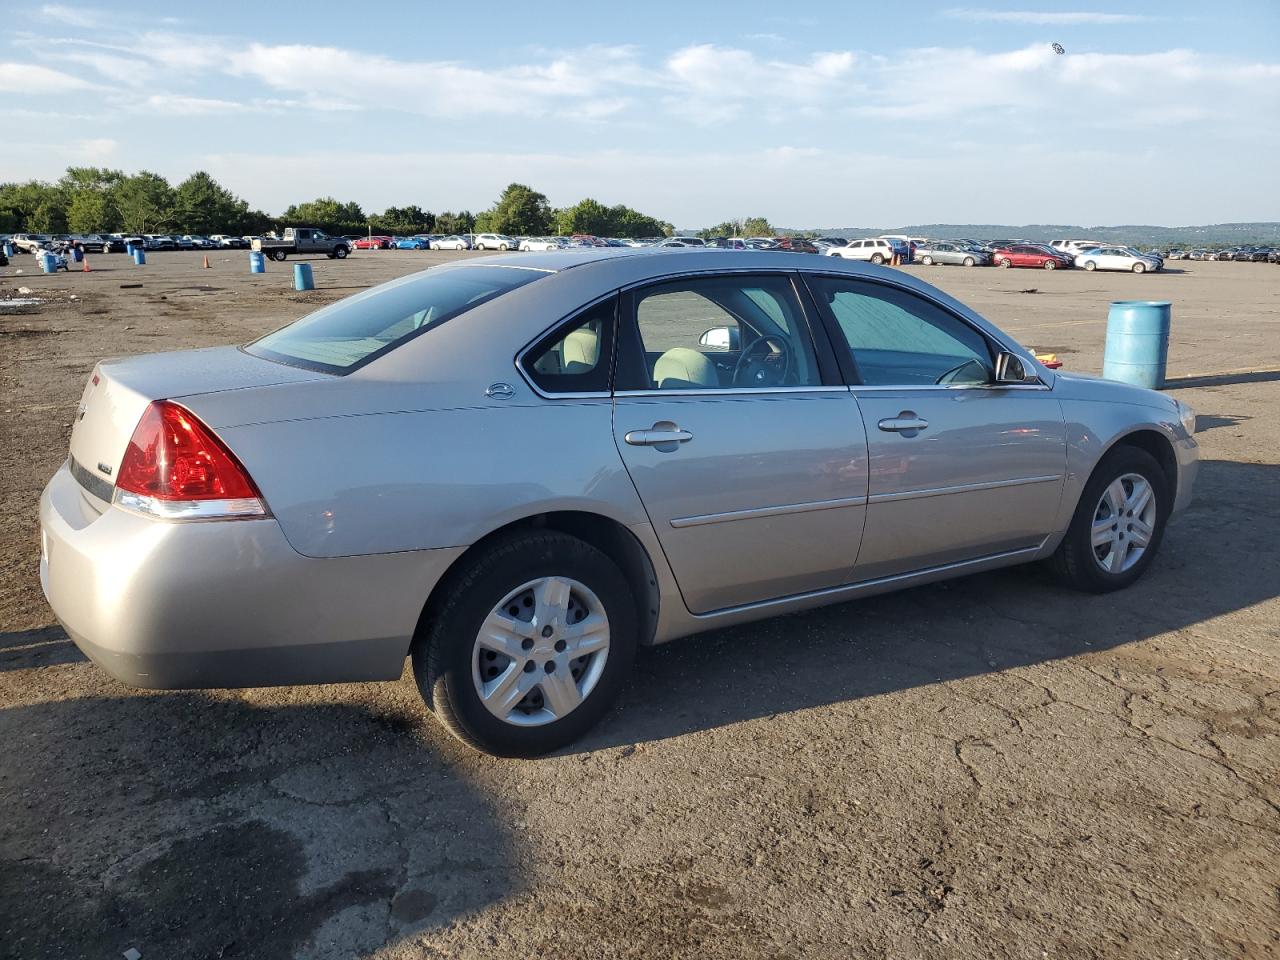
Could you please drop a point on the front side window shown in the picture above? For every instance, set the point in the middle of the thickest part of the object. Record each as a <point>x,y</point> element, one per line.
<point>718,333</point>
<point>350,333</point>
<point>898,339</point>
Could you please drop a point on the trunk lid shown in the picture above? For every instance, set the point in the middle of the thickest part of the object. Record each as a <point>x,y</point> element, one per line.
<point>120,390</point>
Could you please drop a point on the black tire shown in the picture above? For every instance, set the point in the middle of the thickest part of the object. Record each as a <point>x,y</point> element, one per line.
<point>969,261</point>
<point>877,258</point>
<point>340,252</point>
<point>442,649</point>
<point>927,261</point>
<point>1006,262</point>
<point>1139,268</point>
<point>278,255</point>
<point>1090,266</point>
<point>1074,561</point>
<point>1051,265</point>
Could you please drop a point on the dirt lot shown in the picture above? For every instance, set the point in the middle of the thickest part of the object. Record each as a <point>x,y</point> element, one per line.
<point>987,768</point>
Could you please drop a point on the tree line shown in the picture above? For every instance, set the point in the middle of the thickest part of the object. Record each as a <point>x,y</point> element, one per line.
<point>99,200</point>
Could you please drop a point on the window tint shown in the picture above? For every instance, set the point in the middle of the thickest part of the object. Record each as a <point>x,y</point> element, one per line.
<point>718,333</point>
<point>351,332</point>
<point>576,357</point>
<point>899,339</point>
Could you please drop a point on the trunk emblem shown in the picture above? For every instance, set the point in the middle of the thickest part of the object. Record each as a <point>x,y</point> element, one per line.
<point>500,391</point>
<point>104,468</point>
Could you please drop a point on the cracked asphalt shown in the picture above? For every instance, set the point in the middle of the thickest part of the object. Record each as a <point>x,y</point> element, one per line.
<point>987,768</point>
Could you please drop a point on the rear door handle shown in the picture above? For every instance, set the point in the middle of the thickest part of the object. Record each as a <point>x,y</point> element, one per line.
<point>662,432</point>
<point>907,422</point>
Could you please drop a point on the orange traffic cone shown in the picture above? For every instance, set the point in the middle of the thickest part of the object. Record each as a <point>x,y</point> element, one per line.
<point>206,261</point>
<point>86,266</point>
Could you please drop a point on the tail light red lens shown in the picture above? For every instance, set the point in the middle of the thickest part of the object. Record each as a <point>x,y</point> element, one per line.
<point>174,459</point>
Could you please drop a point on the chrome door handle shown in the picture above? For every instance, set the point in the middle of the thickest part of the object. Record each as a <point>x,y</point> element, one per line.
<point>662,432</point>
<point>906,422</point>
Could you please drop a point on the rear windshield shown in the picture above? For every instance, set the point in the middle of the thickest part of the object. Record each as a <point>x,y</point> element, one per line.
<point>352,332</point>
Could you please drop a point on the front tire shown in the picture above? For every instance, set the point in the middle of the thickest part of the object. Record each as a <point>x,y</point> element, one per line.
<point>1118,524</point>
<point>341,252</point>
<point>1139,268</point>
<point>495,657</point>
<point>1090,266</point>
<point>1050,265</point>
<point>969,261</point>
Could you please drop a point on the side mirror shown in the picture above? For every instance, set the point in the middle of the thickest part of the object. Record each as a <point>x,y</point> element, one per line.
<point>1011,368</point>
<point>720,338</point>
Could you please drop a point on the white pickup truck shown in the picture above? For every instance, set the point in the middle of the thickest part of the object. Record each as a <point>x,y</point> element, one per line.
<point>302,240</point>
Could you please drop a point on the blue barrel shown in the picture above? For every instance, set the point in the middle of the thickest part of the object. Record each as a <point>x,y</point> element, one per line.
<point>257,262</point>
<point>48,262</point>
<point>302,279</point>
<point>8,249</point>
<point>1138,342</point>
<point>139,256</point>
<point>77,253</point>
<point>128,249</point>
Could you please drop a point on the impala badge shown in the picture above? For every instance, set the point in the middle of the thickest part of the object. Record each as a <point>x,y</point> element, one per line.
<point>104,468</point>
<point>500,391</point>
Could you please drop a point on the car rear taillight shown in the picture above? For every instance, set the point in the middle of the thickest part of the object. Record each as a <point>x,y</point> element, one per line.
<point>175,468</point>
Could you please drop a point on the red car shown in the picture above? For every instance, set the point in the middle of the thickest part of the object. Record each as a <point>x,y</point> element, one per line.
<point>373,243</point>
<point>1029,255</point>
<point>795,245</point>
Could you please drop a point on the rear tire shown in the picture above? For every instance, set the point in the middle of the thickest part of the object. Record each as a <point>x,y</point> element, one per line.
<point>877,258</point>
<point>447,652</point>
<point>278,255</point>
<point>1076,561</point>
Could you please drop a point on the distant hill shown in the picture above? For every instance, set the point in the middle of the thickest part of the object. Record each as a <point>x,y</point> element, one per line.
<point>1213,234</point>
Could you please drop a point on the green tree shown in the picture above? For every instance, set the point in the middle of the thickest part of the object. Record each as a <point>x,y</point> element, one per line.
<point>34,206</point>
<point>144,202</point>
<point>460,222</point>
<point>201,205</point>
<point>91,211</point>
<point>403,220</point>
<point>521,211</point>
<point>592,217</point>
<point>328,214</point>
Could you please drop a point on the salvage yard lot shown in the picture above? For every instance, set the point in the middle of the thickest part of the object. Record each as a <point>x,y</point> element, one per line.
<point>991,767</point>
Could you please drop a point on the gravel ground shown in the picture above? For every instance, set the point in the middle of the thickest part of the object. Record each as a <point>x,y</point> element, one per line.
<point>987,768</point>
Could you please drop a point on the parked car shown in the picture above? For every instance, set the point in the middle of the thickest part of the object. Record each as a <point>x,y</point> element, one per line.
<point>1116,258</point>
<point>195,242</point>
<point>303,240</point>
<point>226,241</point>
<point>375,242</point>
<point>31,242</point>
<point>159,241</point>
<point>522,595</point>
<point>451,242</point>
<point>542,244</point>
<point>945,252</point>
<point>411,243</point>
<point>1030,255</point>
<point>796,245</point>
<point>493,241</point>
<point>89,242</point>
<point>874,250</point>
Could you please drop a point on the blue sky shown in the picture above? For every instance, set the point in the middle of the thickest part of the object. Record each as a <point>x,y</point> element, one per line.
<point>828,114</point>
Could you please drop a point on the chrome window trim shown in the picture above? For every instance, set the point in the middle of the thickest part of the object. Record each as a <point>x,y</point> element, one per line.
<point>870,388</point>
<point>760,512</point>
<point>730,391</point>
<point>959,488</point>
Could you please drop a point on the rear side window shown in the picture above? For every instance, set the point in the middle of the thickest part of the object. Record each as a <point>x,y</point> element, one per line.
<point>350,333</point>
<point>576,357</point>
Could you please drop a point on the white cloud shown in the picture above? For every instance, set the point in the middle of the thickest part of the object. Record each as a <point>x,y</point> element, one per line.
<point>30,78</point>
<point>71,16</point>
<point>172,104</point>
<point>96,150</point>
<point>1041,18</point>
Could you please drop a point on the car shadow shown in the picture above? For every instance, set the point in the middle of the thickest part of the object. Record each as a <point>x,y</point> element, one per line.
<point>194,825</point>
<point>43,647</point>
<point>1206,422</point>
<point>1222,379</point>
<point>947,631</point>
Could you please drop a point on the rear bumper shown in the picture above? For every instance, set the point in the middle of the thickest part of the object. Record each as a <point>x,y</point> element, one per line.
<point>223,603</point>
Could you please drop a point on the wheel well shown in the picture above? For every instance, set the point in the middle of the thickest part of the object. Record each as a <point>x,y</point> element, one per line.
<point>606,535</point>
<point>1158,445</point>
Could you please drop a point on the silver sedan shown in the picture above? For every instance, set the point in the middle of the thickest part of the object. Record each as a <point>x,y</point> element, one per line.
<point>516,470</point>
<point>953,253</point>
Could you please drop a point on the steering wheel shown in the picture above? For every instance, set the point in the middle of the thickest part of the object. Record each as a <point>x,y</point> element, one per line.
<point>770,369</point>
<point>977,373</point>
